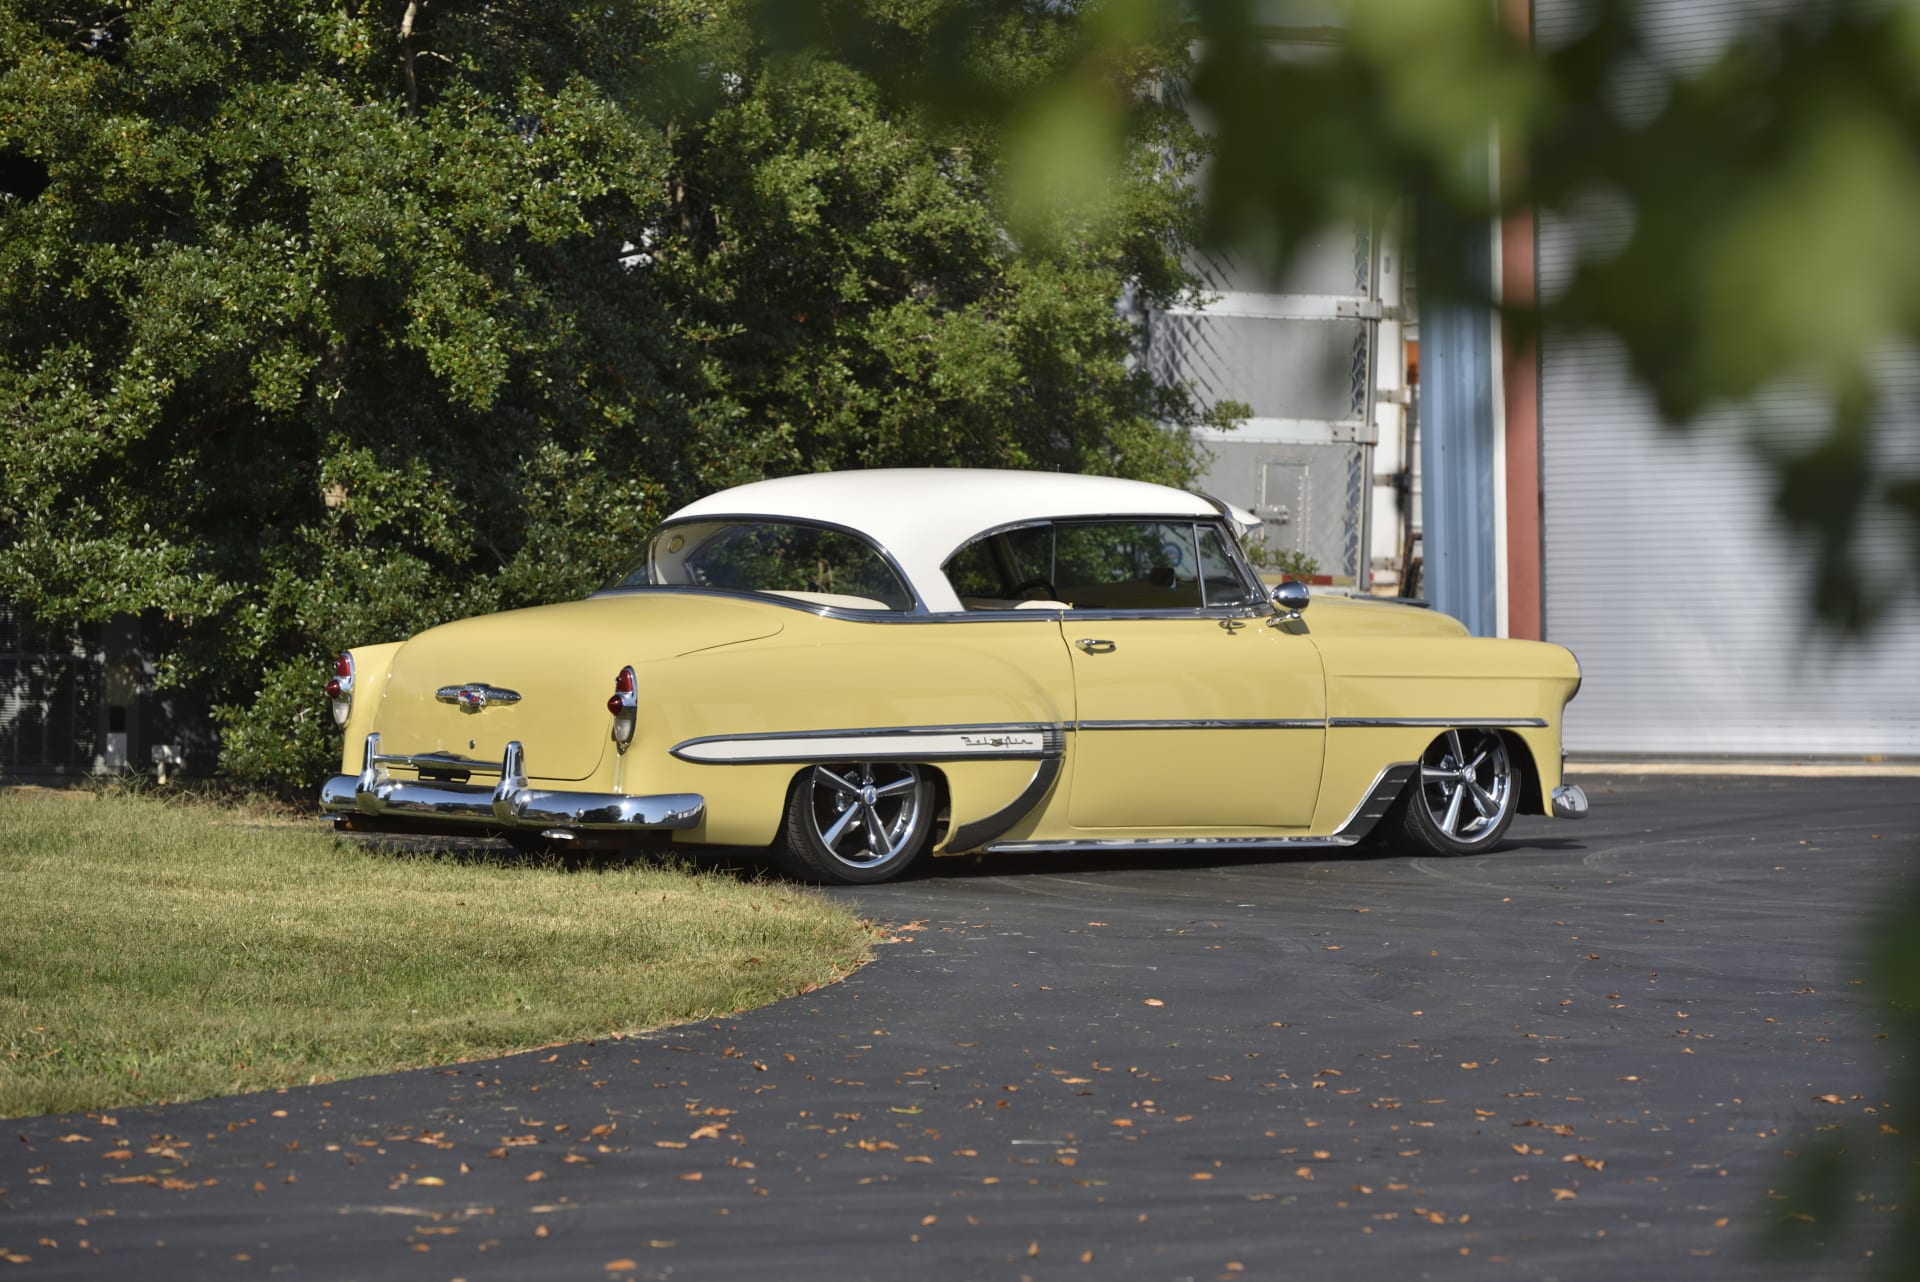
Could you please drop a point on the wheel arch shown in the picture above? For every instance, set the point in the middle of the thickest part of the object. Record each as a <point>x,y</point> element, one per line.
<point>1532,799</point>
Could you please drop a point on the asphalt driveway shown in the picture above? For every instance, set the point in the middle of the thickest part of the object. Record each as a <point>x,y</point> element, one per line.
<point>1585,1055</point>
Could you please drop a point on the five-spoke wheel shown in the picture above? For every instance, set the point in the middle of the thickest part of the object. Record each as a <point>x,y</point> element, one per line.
<point>1466,794</point>
<point>860,821</point>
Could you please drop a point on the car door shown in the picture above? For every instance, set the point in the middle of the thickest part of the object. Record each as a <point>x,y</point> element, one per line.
<point>1191,712</point>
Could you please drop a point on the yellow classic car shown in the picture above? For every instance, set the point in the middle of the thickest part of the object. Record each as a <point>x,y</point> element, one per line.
<point>859,668</point>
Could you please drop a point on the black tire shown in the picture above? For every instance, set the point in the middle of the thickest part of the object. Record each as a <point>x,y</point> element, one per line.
<point>1464,797</point>
<point>857,822</point>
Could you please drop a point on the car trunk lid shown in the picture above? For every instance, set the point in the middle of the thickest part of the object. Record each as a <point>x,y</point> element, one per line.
<point>542,676</point>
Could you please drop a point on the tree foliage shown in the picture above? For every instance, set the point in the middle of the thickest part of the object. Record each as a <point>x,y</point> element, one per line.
<point>1744,226</point>
<point>320,324</point>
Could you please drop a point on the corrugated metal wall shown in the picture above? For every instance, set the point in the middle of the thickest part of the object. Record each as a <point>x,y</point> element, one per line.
<point>1664,568</point>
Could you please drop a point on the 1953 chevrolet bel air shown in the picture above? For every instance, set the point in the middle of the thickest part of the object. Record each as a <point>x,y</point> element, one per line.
<point>862,667</point>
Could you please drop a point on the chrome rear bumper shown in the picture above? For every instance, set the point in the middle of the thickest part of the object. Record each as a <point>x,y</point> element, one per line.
<point>1569,802</point>
<point>512,803</point>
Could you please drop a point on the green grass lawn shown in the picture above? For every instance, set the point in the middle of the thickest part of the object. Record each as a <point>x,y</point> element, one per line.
<point>154,951</point>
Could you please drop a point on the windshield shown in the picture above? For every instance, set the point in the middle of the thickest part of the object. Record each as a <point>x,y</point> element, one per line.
<point>812,563</point>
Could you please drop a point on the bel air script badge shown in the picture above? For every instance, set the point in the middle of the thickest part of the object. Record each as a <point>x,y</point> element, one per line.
<point>475,695</point>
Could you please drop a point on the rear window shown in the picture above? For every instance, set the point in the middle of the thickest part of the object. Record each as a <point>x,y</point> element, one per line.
<point>815,564</point>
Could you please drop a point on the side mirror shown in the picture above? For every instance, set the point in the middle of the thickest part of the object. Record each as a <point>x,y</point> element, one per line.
<point>1290,597</point>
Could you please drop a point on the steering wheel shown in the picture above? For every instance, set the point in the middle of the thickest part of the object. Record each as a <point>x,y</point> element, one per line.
<point>1043,586</point>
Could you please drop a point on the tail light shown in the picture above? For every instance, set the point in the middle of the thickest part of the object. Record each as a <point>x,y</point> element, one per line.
<point>622,705</point>
<point>340,688</point>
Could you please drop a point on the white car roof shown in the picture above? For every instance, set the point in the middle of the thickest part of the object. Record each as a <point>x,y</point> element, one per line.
<point>920,516</point>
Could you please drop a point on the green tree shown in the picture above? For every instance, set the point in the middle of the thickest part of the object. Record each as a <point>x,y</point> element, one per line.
<point>859,291</point>
<point>322,323</point>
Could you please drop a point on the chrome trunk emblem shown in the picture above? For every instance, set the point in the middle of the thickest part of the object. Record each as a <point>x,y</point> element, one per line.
<point>475,695</point>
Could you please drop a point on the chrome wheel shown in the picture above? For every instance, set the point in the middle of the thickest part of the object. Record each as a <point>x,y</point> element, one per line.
<point>1468,790</point>
<point>858,821</point>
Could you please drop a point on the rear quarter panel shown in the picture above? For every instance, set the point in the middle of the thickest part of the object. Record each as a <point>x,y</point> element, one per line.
<point>834,674</point>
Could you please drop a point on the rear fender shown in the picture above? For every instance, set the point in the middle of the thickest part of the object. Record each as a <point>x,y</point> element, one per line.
<point>371,666</point>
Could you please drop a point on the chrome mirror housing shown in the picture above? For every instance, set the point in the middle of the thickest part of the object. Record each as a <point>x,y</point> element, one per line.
<point>1290,597</point>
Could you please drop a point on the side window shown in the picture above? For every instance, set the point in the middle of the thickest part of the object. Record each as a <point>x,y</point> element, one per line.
<point>1131,565</point>
<point>1099,565</point>
<point>1030,560</point>
<point>790,559</point>
<point>797,560</point>
<point>999,571</point>
<point>975,575</point>
<point>1220,579</point>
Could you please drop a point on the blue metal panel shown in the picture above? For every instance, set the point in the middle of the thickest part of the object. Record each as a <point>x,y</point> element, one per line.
<point>1456,450</point>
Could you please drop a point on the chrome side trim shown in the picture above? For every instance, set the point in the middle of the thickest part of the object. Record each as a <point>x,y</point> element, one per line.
<point>1569,802</point>
<point>1415,602</point>
<point>1204,723</point>
<point>981,831</point>
<point>511,803</point>
<point>1019,741</point>
<point>1379,798</point>
<point>1233,610</point>
<point>1124,845</point>
<point>1440,723</point>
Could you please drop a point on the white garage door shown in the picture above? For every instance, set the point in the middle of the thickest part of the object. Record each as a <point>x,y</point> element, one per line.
<point>1665,570</point>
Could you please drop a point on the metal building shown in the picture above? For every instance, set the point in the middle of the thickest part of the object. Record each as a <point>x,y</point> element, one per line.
<point>1658,560</point>
<point>1553,502</point>
<point>1319,357</point>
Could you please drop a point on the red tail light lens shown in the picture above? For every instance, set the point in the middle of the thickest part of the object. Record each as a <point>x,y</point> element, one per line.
<point>623,705</point>
<point>340,688</point>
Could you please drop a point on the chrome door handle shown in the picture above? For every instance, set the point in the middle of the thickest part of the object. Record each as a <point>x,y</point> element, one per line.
<point>1094,646</point>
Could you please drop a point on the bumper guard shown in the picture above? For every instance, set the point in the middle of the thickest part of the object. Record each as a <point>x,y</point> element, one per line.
<point>1569,802</point>
<point>512,803</point>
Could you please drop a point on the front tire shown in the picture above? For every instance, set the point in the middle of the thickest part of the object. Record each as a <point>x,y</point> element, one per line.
<point>1465,797</point>
<point>857,822</point>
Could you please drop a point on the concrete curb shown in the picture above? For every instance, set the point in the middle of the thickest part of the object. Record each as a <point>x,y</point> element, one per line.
<point>1777,769</point>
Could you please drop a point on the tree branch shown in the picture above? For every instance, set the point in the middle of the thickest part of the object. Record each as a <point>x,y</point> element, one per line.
<point>406,55</point>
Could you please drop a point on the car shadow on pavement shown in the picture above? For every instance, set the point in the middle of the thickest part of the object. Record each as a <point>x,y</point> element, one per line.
<point>1093,861</point>
<point>753,864</point>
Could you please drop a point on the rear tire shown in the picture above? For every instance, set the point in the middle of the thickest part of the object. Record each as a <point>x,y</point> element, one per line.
<point>1464,797</point>
<point>857,822</point>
